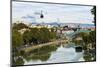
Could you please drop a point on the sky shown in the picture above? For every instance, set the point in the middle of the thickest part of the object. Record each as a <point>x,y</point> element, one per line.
<point>29,12</point>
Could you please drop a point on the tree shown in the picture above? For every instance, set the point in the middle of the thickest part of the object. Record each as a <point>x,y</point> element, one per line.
<point>93,11</point>
<point>17,39</point>
<point>92,36</point>
<point>86,39</point>
<point>19,26</point>
<point>44,35</point>
<point>27,37</point>
<point>35,35</point>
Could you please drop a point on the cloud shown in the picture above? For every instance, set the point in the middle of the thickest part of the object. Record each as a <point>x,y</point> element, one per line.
<point>28,16</point>
<point>66,13</point>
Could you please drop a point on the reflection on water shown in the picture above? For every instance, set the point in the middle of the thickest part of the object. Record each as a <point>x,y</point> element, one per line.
<point>41,54</point>
<point>50,54</point>
<point>61,54</point>
<point>54,54</point>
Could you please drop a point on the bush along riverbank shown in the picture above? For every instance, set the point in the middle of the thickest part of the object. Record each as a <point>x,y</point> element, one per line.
<point>88,42</point>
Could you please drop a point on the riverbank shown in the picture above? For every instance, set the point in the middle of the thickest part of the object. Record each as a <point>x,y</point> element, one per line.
<point>28,49</point>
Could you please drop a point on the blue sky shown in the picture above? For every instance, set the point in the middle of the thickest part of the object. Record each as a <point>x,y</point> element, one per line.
<point>26,11</point>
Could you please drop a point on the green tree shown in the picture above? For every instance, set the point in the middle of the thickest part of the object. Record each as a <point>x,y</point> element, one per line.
<point>92,36</point>
<point>27,37</point>
<point>86,38</point>
<point>44,35</point>
<point>93,11</point>
<point>17,39</point>
<point>35,35</point>
<point>19,26</point>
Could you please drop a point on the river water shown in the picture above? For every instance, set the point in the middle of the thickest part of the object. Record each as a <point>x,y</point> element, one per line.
<point>62,53</point>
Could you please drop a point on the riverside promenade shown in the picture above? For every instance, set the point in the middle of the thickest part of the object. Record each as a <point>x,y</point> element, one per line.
<point>28,49</point>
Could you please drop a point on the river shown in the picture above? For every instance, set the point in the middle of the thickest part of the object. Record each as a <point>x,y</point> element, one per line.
<point>62,53</point>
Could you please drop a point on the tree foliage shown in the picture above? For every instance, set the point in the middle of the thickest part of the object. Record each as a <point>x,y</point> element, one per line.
<point>93,11</point>
<point>36,36</point>
<point>17,39</point>
<point>19,26</point>
<point>27,36</point>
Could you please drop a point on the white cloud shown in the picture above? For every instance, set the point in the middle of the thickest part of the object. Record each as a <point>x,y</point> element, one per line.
<point>65,13</point>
